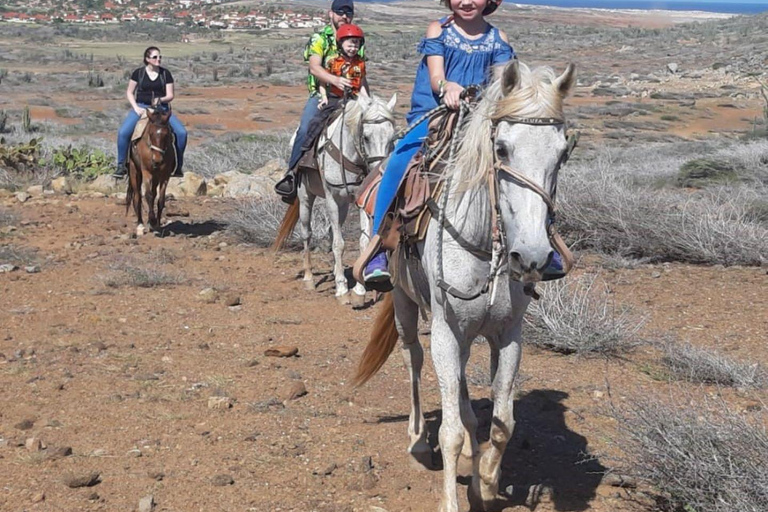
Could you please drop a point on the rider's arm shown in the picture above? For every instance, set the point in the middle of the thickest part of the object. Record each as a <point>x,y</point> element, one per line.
<point>323,76</point>
<point>436,66</point>
<point>168,94</point>
<point>130,95</point>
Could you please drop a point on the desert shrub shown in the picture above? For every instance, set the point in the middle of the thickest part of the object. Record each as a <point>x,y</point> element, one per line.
<point>141,275</point>
<point>238,152</point>
<point>703,172</point>
<point>700,457</point>
<point>579,315</point>
<point>19,256</point>
<point>611,203</point>
<point>95,79</point>
<point>257,220</point>
<point>686,362</point>
<point>7,218</point>
<point>3,121</point>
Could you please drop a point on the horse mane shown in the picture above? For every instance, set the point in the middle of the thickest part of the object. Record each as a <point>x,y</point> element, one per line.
<point>354,114</point>
<point>534,96</point>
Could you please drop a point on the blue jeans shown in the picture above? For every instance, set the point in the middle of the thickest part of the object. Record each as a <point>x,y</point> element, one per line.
<point>126,130</point>
<point>310,109</point>
<point>393,174</point>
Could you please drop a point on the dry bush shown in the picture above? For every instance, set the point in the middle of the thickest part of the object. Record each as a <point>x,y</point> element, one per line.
<point>7,217</point>
<point>613,204</point>
<point>700,457</point>
<point>147,273</point>
<point>257,220</point>
<point>579,315</point>
<point>694,364</point>
<point>237,152</point>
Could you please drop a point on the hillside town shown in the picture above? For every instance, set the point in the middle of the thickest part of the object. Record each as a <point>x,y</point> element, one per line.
<point>201,13</point>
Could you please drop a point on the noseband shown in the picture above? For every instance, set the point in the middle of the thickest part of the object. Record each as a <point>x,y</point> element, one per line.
<point>368,161</point>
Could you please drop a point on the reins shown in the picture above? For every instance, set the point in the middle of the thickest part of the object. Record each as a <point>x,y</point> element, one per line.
<point>498,244</point>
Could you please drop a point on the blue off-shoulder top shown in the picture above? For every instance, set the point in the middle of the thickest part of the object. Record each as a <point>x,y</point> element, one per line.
<point>467,62</point>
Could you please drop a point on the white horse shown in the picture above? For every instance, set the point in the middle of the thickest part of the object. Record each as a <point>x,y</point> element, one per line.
<point>362,135</point>
<point>472,275</point>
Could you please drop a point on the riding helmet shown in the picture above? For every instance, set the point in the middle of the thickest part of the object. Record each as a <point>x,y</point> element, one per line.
<point>349,30</point>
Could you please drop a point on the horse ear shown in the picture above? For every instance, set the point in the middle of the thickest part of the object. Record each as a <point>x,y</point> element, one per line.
<point>364,101</point>
<point>165,116</point>
<point>392,103</point>
<point>567,80</point>
<point>511,77</point>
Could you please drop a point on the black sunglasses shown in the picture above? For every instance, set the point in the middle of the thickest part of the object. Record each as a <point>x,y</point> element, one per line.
<point>345,11</point>
<point>156,57</point>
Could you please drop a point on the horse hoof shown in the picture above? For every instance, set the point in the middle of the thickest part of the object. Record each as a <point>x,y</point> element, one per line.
<point>343,299</point>
<point>141,230</point>
<point>358,301</point>
<point>309,285</point>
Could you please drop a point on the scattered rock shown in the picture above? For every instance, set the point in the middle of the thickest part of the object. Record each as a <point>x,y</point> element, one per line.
<point>7,267</point>
<point>26,424</point>
<point>104,184</point>
<point>208,295</point>
<point>74,481</point>
<point>145,377</point>
<point>156,475</point>
<point>672,67</point>
<point>219,402</point>
<point>33,444</point>
<point>35,190</point>
<point>298,389</point>
<point>223,480</point>
<point>58,453</point>
<point>281,351</point>
<point>61,185</point>
<point>251,363</point>
<point>193,185</point>
<point>135,453</point>
<point>328,471</point>
<point>617,480</point>
<point>147,504</point>
<point>38,498</point>
<point>32,269</point>
<point>232,299</point>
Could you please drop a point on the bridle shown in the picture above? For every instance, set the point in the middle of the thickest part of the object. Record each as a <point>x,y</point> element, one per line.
<point>151,146</point>
<point>498,249</point>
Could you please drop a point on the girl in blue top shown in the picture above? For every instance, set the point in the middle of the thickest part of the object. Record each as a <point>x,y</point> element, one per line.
<point>459,50</point>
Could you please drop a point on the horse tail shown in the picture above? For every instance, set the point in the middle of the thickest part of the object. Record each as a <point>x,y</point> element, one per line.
<point>380,346</point>
<point>290,219</point>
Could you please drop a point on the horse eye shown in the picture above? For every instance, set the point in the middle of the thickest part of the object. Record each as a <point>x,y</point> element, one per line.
<point>502,152</point>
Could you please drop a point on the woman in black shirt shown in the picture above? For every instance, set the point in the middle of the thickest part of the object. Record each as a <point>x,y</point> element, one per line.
<point>150,85</point>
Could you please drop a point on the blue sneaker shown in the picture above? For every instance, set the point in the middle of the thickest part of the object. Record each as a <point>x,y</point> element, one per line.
<point>377,270</point>
<point>555,269</point>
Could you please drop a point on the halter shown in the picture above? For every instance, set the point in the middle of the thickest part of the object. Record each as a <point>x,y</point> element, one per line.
<point>149,143</point>
<point>498,249</point>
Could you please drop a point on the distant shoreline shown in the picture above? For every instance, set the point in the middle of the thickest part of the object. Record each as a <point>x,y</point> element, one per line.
<point>649,6</point>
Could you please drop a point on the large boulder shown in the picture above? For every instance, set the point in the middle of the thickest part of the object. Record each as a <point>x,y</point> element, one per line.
<point>61,185</point>
<point>106,184</point>
<point>193,184</point>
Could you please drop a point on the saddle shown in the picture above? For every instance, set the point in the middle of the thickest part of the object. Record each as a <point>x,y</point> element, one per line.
<point>309,159</point>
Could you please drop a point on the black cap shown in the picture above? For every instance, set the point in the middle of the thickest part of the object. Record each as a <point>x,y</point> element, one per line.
<point>343,6</point>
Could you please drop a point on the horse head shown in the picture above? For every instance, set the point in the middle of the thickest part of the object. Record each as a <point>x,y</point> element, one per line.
<point>158,134</point>
<point>529,145</point>
<point>373,125</point>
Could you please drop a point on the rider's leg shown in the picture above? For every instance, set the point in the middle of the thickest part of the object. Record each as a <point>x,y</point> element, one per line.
<point>287,185</point>
<point>377,268</point>
<point>124,141</point>
<point>181,143</point>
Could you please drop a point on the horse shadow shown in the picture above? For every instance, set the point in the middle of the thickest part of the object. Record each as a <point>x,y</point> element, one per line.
<point>193,229</point>
<point>544,460</point>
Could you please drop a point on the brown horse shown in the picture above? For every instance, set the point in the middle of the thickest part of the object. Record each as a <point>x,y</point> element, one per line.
<point>151,162</point>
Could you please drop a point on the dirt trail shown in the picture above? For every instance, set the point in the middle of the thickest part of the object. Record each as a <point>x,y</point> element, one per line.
<point>123,375</point>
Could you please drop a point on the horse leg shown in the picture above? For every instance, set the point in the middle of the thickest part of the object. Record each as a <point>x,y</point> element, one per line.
<point>358,292</point>
<point>135,176</point>
<point>150,196</point>
<point>337,213</point>
<point>446,358</point>
<point>161,201</point>
<point>306,202</point>
<point>470,449</point>
<point>503,423</point>
<point>407,323</point>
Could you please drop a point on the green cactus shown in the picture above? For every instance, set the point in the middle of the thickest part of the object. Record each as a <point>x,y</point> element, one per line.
<point>26,120</point>
<point>3,120</point>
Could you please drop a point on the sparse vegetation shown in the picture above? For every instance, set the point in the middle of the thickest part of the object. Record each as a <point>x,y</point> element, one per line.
<point>84,163</point>
<point>699,456</point>
<point>579,315</point>
<point>147,273</point>
<point>704,172</point>
<point>687,362</point>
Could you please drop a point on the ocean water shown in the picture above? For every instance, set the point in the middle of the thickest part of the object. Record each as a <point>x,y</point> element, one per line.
<point>674,5</point>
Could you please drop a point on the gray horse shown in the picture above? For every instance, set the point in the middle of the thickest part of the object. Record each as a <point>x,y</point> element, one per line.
<point>473,277</point>
<point>363,134</point>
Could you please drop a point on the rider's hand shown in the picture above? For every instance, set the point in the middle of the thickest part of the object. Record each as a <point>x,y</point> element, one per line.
<point>139,111</point>
<point>452,95</point>
<point>342,83</point>
<point>323,102</point>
